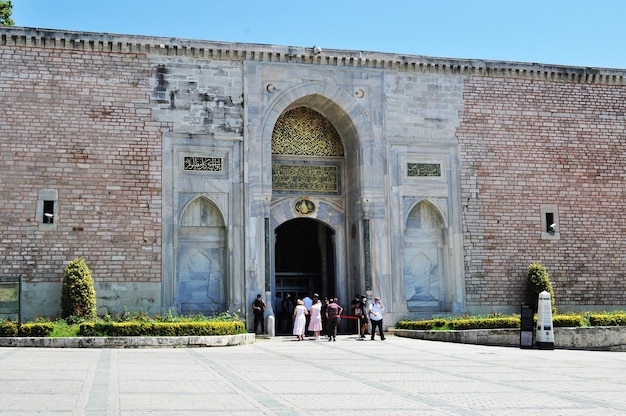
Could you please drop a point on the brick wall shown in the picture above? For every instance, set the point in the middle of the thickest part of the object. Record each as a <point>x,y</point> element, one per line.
<point>526,143</point>
<point>79,118</point>
<point>80,123</point>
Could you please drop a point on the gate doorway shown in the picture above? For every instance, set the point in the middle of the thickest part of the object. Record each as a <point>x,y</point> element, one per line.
<point>304,264</point>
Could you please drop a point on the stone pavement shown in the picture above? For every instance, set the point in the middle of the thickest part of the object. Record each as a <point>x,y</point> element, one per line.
<point>280,376</point>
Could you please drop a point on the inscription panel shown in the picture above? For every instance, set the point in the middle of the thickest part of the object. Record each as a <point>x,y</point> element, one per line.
<point>311,178</point>
<point>414,169</point>
<point>202,164</point>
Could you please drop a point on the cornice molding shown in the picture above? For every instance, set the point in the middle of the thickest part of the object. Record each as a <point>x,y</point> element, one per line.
<point>234,51</point>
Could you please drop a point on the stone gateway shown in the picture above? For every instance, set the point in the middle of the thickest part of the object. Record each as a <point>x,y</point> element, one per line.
<point>192,175</point>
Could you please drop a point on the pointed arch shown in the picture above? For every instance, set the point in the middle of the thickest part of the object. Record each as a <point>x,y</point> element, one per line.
<point>201,212</point>
<point>423,262</point>
<point>417,206</point>
<point>201,285</point>
<point>336,105</point>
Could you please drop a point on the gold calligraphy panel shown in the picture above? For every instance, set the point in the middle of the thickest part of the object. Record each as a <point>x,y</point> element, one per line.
<point>423,169</point>
<point>305,178</point>
<point>305,132</point>
<point>202,164</point>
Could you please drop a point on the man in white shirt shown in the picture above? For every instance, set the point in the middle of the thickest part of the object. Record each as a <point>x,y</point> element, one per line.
<point>376,317</point>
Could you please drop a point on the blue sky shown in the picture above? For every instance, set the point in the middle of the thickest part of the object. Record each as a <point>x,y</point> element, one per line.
<point>589,33</point>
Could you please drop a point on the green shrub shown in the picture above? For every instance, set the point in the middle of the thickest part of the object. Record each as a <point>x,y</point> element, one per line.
<point>422,325</point>
<point>607,320</point>
<point>87,329</point>
<point>78,297</point>
<point>560,321</point>
<point>127,329</point>
<point>39,329</point>
<point>485,323</point>
<point>488,322</point>
<point>8,328</point>
<point>537,280</point>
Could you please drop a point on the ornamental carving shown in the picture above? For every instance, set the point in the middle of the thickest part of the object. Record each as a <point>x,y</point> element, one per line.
<point>304,206</point>
<point>305,132</point>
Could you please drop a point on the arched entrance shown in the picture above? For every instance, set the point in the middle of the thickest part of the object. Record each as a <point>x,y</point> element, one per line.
<point>307,182</point>
<point>304,264</point>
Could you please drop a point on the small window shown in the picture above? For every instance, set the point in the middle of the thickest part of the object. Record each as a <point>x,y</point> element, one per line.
<point>48,212</point>
<point>549,222</point>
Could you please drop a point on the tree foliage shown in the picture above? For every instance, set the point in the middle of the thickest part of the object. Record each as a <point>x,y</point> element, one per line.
<point>78,296</point>
<point>537,280</point>
<point>6,9</point>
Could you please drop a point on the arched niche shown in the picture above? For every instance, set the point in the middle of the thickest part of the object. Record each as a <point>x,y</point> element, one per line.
<point>201,285</point>
<point>423,260</point>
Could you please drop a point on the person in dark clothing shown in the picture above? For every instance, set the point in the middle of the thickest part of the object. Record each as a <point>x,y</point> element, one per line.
<point>324,318</point>
<point>354,306</point>
<point>287,306</point>
<point>258,306</point>
<point>360,312</point>
<point>333,314</point>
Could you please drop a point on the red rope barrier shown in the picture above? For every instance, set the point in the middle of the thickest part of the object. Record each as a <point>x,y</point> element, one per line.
<point>350,317</point>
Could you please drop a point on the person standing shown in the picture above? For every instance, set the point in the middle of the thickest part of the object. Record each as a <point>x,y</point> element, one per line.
<point>362,315</point>
<point>325,303</point>
<point>376,317</point>
<point>354,306</point>
<point>288,313</point>
<point>299,319</point>
<point>315,322</point>
<point>258,306</point>
<point>308,302</point>
<point>279,313</point>
<point>333,314</point>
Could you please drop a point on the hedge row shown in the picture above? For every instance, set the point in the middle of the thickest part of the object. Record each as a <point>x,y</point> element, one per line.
<point>490,323</point>
<point>163,329</point>
<point>607,320</point>
<point>11,329</point>
<point>199,328</point>
<point>567,321</point>
<point>8,329</point>
<point>125,329</point>
<point>426,325</point>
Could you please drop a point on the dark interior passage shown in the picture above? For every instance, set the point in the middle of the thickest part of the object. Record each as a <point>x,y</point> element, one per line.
<point>304,264</point>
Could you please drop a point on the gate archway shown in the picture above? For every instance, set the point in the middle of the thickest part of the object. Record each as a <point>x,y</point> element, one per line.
<point>304,264</point>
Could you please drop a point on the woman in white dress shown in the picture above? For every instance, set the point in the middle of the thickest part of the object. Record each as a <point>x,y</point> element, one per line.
<point>315,324</point>
<point>299,320</point>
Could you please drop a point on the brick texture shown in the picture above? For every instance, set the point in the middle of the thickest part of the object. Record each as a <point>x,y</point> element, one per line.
<point>526,143</point>
<point>79,122</point>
